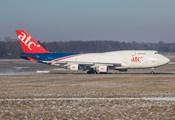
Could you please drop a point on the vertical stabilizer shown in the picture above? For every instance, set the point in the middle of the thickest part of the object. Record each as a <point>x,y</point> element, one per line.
<point>28,44</point>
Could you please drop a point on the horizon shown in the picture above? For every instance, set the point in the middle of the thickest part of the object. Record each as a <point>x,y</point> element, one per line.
<point>15,39</point>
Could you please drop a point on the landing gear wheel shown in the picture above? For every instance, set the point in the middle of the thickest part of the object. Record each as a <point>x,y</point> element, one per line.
<point>152,72</point>
<point>92,71</point>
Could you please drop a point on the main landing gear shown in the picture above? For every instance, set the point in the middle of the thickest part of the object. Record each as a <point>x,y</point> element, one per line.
<point>92,71</point>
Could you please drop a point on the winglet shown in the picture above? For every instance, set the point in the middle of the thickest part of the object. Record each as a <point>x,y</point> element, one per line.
<point>28,44</point>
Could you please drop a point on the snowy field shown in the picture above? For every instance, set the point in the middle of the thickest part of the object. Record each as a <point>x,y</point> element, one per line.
<point>87,109</point>
<point>71,95</point>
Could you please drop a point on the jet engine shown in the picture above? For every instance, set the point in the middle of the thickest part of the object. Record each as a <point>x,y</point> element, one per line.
<point>75,67</point>
<point>102,69</point>
<point>121,69</point>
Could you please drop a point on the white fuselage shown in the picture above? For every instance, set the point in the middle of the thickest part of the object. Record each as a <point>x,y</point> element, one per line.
<point>127,59</point>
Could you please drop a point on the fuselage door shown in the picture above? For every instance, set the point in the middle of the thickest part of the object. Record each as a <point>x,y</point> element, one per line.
<point>133,52</point>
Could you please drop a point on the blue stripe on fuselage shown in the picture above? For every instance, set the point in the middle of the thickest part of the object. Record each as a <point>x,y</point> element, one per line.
<point>46,56</point>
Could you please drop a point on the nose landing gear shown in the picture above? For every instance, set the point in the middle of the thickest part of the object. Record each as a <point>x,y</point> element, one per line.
<point>152,71</point>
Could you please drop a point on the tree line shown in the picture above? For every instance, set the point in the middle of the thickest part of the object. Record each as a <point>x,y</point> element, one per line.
<point>10,48</point>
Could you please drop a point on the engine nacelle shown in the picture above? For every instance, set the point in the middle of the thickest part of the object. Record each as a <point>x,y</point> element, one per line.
<point>103,69</point>
<point>74,67</point>
<point>123,70</point>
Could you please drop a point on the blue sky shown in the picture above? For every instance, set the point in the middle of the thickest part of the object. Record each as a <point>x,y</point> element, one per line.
<point>64,20</point>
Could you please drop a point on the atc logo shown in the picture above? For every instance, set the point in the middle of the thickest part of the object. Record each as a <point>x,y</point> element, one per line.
<point>136,59</point>
<point>27,40</point>
<point>102,68</point>
<point>73,67</point>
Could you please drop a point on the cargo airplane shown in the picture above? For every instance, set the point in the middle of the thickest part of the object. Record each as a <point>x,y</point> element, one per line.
<point>91,62</point>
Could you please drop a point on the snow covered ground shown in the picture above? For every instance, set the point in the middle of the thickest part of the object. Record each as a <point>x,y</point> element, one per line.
<point>87,109</point>
<point>70,95</point>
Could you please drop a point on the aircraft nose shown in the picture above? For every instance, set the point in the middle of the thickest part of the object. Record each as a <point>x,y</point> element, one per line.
<point>166,60</point>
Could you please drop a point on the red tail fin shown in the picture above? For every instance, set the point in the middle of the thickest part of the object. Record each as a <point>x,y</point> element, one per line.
<point>28,44</point>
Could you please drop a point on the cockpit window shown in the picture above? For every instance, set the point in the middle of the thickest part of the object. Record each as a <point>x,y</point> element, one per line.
<point>156,53</point>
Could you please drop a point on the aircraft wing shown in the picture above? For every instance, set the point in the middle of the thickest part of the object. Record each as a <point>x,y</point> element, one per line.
<point>85,65</point>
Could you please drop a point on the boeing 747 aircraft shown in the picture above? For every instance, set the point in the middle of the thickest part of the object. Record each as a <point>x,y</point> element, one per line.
<point>90,62</point>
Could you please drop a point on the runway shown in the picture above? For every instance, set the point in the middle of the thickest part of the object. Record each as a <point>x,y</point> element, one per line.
<point>20,67</point>
<point>92,99</point>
